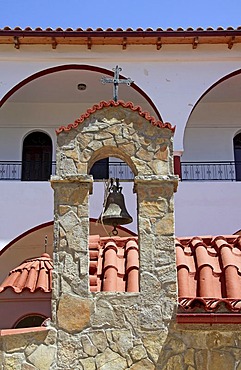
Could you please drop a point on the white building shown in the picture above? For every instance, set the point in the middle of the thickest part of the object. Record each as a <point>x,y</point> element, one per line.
<point>190,78</point>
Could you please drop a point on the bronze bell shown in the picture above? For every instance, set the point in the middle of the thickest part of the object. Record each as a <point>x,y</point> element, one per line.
<point>115,212</point>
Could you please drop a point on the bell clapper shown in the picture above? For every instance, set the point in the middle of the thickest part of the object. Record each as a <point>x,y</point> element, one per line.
<point>114,231</point>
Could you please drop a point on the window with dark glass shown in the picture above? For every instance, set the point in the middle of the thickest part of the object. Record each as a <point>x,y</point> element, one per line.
<point>37,157</point>
<point>237,156</point>
<point>30,321</point>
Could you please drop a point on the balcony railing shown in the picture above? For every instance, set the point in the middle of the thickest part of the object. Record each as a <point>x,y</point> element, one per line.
<point>12,170</point>
<point>34,171</point>
<point>190,171</point>
<point>211,171</point>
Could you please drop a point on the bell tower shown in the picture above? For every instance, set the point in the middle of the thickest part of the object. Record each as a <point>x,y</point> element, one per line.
<point>108,326</point>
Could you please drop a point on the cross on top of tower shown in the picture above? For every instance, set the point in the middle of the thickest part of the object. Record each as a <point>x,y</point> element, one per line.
<point>116,81</point>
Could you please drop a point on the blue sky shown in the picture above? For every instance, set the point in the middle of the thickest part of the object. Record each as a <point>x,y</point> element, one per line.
<point>124,14</point>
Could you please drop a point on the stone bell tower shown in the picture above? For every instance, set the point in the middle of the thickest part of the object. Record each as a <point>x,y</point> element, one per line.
<point>113,330</point>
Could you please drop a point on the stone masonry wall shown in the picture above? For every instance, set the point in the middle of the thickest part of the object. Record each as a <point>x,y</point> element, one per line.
<point>32,350</point>
<point>183,347</point>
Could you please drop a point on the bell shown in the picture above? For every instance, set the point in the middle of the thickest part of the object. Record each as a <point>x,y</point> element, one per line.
<point>115,212</point>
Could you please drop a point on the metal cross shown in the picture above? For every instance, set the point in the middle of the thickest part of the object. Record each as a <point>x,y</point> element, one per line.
<point>116,81</point>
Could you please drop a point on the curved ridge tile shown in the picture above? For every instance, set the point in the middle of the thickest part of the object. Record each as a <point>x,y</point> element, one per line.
<point>210,305</point>
<point>129,29</point>
<point>112,103</point>
<point>217,275</point>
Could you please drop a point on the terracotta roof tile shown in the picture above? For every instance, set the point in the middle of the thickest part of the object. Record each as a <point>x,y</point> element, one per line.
<point>114,264</point>
<point>88,37</point>
<point>209,273</point>
<point>112,103</point>
<point>6,332</point>
<point>32,274</point>
<point>99,29</point>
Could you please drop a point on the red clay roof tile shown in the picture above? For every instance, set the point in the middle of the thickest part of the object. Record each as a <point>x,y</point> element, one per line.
<point>209,273</point>
<point>114,267</point>
<point>32,274</point>
<point>112,103</point>
<point>99,29</point>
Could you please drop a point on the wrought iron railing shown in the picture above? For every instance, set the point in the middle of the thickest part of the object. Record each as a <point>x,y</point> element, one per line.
<point>12,170</point>
<point>119,170</point>
<point>211,171</point>
<point>190,171</point>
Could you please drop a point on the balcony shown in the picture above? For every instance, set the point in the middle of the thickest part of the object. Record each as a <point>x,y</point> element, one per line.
<point>190,171</point>
<point>211,171</point>
<point>12,170</point>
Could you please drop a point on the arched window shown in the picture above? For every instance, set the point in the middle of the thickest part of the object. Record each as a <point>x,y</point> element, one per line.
<point>237,155</point>
<point>30,321</point>
<point>37,157</point>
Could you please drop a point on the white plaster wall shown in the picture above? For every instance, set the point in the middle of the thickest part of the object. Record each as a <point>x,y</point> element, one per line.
<point>11,141</point>
<point>174,76</point>
<point>201,208</point>
<point>207,208</point>
<point>209,144</point>
<point>25,205</point>
<point>210,132</point>
<point>45,115</point>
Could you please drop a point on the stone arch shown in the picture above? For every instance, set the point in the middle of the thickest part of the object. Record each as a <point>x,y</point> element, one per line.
<point>115,129</point>
<point>110,151</point>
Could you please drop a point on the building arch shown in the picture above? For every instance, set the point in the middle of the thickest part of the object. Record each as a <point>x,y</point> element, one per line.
<point>215,84</point>
<point>37,151</point>
<point>213,121</point>
<point>80,67</point>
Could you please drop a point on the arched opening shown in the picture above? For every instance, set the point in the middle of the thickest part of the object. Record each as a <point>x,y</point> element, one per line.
<point>29,321</point>
<point>36,157</point>
<point>237,155</point>
<point>111,167</point>
<point>115,168</point>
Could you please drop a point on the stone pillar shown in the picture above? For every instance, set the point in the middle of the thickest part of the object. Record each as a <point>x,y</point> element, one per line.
<point>71,261</point>
<point>157,252</point>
